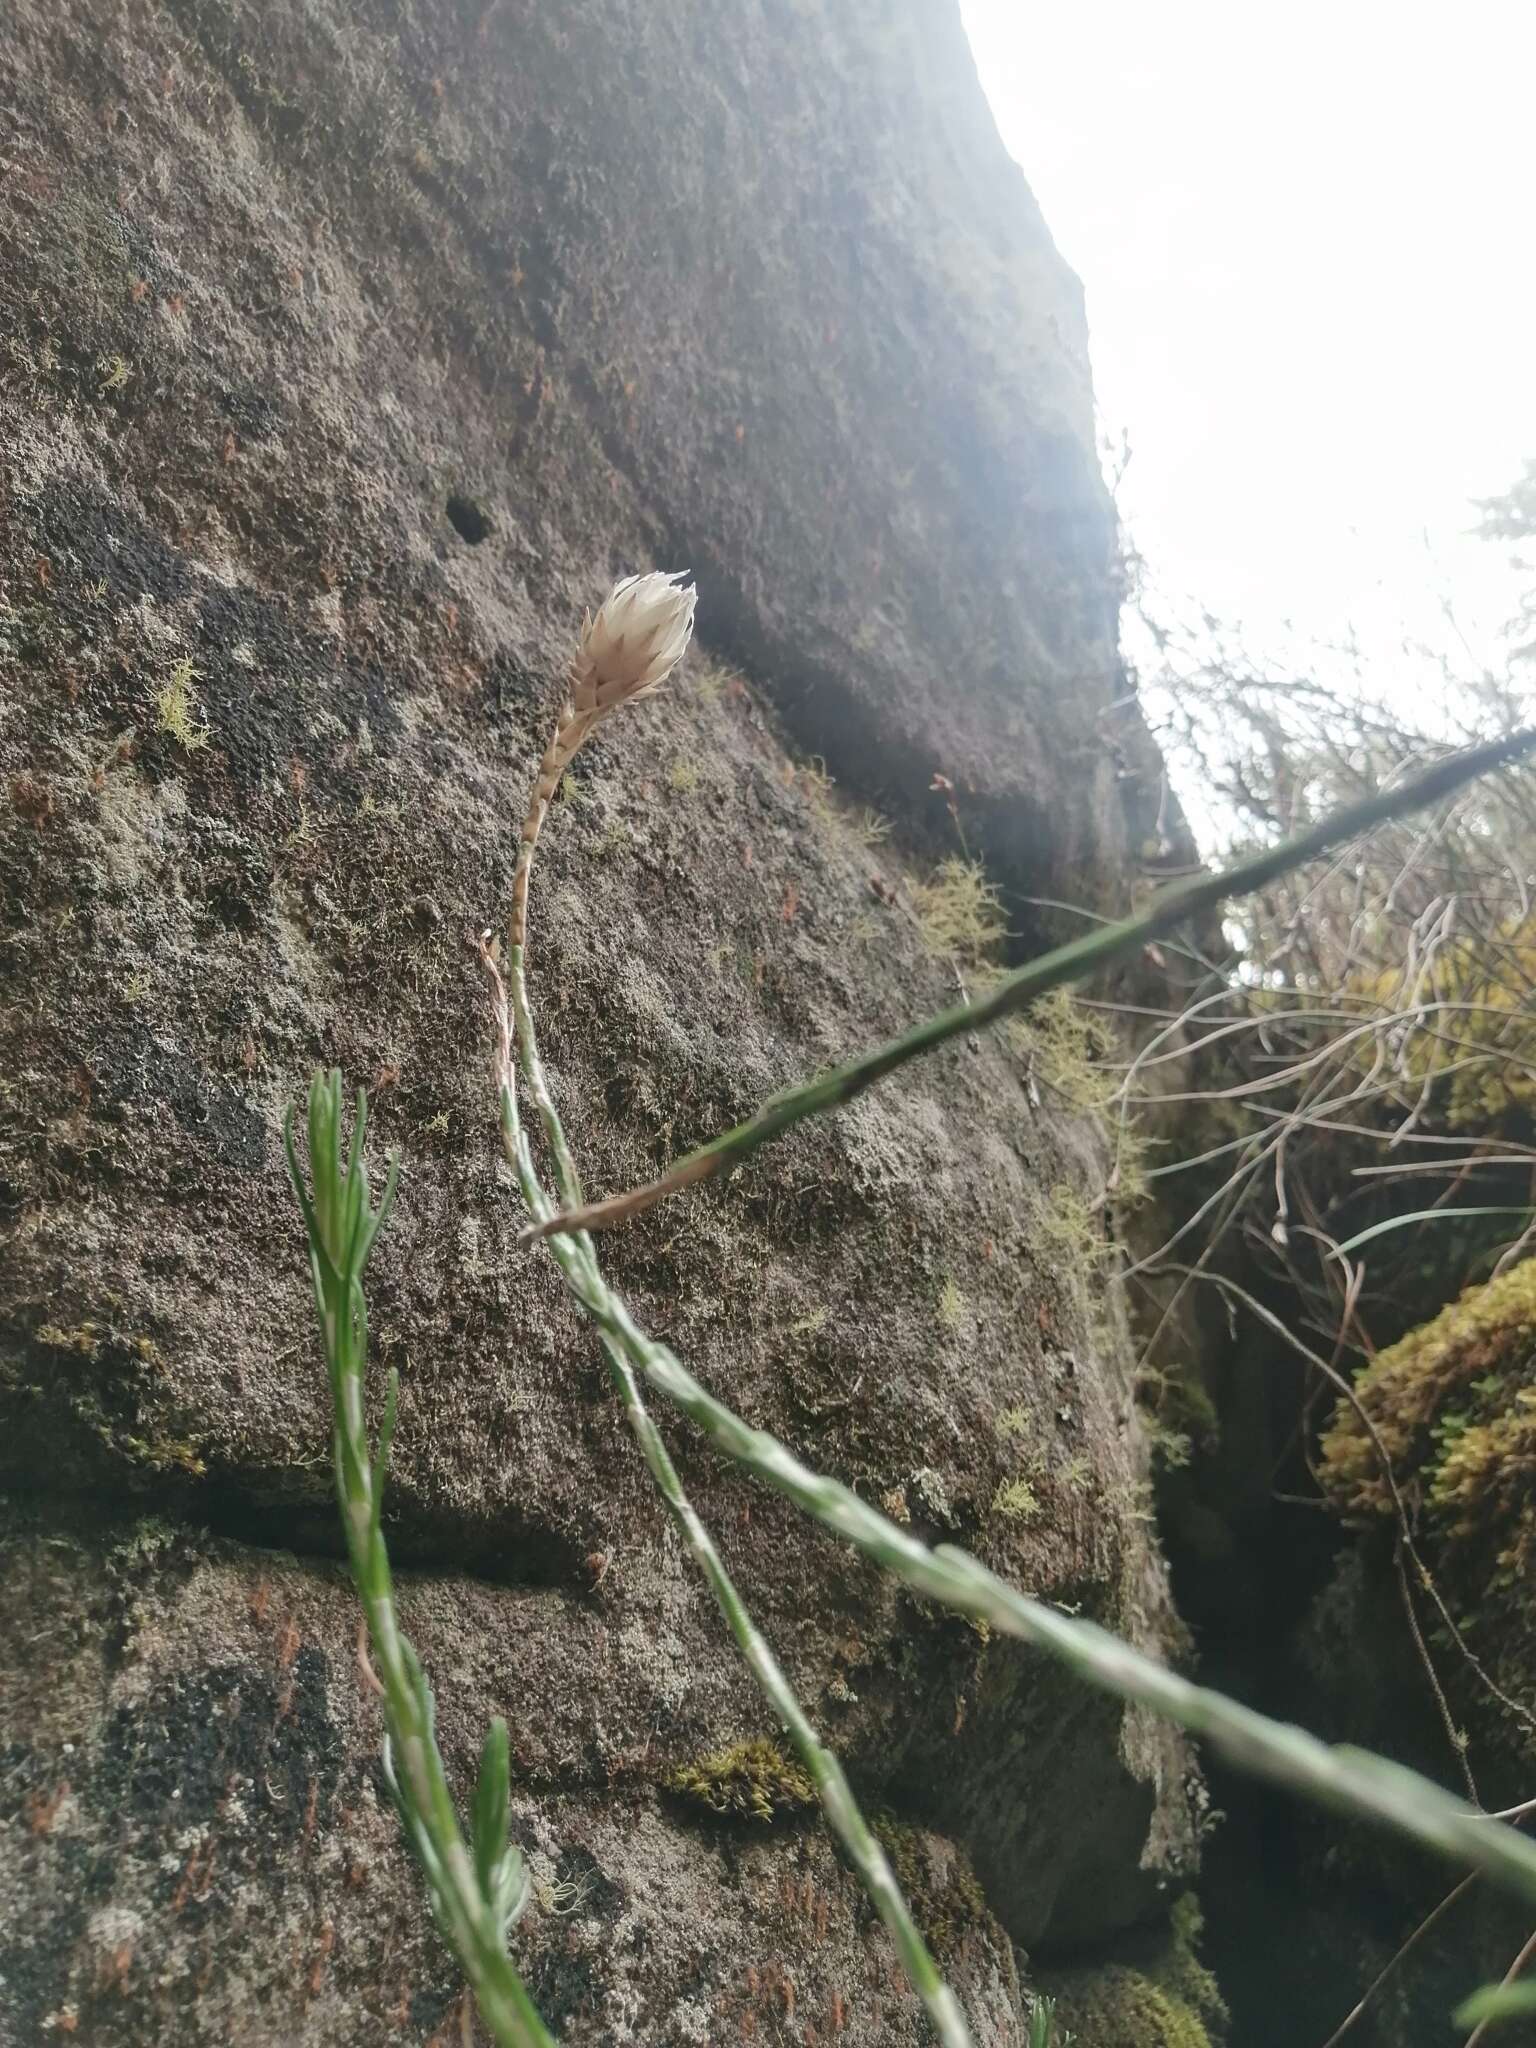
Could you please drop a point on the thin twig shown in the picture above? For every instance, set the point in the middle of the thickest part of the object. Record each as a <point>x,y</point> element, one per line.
<point>1405,1948</point>
<point>1515,1969</point>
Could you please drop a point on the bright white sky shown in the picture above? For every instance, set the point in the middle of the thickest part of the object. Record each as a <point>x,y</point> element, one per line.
<point>1306,234</point>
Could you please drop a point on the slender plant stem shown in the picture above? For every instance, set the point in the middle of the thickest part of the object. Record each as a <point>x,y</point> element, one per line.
<point>577,1260</point>
<point>475,1897</point>
<point>1351,1780</point>
<point>1510,1975</point>
<point>1390,1969</point>
<point>1072,962</point>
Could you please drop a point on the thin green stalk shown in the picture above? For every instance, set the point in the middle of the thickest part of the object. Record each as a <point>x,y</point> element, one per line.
<point>1352,1780</point>
<point>577,1260</point>
<point>1073,962</point>
<point>477,1894</point>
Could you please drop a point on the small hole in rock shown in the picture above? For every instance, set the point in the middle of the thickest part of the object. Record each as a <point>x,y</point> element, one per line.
<point>471,521</point>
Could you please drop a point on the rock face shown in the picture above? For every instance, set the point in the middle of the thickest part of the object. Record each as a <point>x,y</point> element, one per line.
<point>346,352</point>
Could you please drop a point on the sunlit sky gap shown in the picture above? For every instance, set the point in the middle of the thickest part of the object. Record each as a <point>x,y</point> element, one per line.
<point>1305,238</point>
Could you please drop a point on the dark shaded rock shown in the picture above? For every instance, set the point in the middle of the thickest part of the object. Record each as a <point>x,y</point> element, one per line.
<point>279,287</point>
<point>202,1847</point>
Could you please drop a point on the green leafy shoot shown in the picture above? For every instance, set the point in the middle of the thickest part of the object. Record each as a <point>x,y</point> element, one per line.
<point>476,1897</point>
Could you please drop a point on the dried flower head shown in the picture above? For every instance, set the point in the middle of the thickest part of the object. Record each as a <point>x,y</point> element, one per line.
<point>640,634</point>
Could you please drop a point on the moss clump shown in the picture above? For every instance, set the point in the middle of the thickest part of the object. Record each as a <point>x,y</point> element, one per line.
<point>951,1305</point>
<point>1068,1049</point>
<point>1178,1414</point>
<point>1454,1405</point>
<point>177,710</point>
<point>936,1881</point>
<point>84,1338</point>
<point>1075,1227</point>
<point>1017,1500</point>
<point>1157,1994</point>
<point>959,912</point>
<point>752,1780</point>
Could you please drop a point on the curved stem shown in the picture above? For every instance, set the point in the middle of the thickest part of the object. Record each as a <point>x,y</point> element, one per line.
<point>578,1261</point>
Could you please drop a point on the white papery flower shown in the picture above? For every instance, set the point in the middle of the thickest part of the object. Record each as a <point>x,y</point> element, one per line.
<point>640,634</point>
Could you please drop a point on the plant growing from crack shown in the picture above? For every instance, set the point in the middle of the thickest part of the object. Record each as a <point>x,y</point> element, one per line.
<point>477,1888</point>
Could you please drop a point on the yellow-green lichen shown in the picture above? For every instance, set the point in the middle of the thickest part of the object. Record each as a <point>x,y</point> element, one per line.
<point>959,912</point>
<point>177,710</point>
<point>1068,1049</point>
<point>751,1780</point>
<point>951,1306</point>
<point>936,1881</point>
<point>1017,1501</point>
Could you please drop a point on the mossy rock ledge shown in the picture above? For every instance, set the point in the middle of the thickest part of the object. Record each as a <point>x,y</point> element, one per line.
<point>348,350</point>
<point>1453,1407</point>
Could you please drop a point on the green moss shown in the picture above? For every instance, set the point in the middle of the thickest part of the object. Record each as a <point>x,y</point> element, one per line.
<point>1454,1407</point>
<point>1116,2007</point>
<point>151,1540</point>
<point>1017,1500</point>
<point>1178,1415</point>
<point>154,1453</point>
<point>751,1780</point>
<point>936,1881</point>
<point>1155,1994</point>
<point>177,710</point>
<point>1452,1404</point>
<point>959,912</point>
<point>951,1306</point>
<point>1074,1227</point>
<point>1068,1050</point>
<point>84,1338</point>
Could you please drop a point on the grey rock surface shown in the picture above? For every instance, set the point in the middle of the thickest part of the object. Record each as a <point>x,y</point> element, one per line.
<point>346,353</point>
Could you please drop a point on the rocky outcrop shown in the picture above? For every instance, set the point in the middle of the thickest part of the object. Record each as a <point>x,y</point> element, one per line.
<point>346,353</point>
